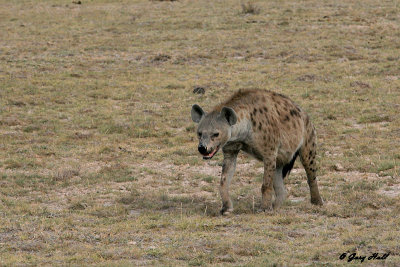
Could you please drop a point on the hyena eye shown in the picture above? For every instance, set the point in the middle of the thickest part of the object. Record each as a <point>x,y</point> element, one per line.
<point>199,135</point>
<point>215,135</point>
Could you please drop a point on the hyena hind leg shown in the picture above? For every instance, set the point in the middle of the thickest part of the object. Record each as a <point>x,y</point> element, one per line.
<point>307,157</point>
<point>279,188</point>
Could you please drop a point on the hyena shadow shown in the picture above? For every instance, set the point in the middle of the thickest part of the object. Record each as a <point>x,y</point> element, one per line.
<point>183,204</point>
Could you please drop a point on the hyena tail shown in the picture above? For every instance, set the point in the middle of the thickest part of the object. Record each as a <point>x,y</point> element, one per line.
<point>288,167</point>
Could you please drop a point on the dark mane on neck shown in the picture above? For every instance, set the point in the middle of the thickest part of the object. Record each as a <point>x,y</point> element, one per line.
<point>237,98</point>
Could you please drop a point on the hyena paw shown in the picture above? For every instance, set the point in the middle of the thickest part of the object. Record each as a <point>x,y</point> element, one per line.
<point>267,207</point>
<point>317,201</point>
<point>226,211</point>
<point>277,204</point>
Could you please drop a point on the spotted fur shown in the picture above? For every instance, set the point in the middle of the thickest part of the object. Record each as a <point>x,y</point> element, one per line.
<point>268,126</point>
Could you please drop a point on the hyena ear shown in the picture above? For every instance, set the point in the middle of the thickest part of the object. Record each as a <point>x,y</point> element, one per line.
<point>230,115</point>
<point>197,113</point>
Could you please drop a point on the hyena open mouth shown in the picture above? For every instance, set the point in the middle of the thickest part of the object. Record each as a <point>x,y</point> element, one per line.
<point>210,155</point>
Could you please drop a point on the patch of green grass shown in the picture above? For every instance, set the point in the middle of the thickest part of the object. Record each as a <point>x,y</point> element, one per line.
<point>109,211</point>
<point>125,178</point>
<point>12,164</point>
<point>385,165</point>
<point>208,179</point>
<point>374,118</point>
<point>31,128</point>
<point>205,178</point>
<point>117,173</point>
<point>114,128</point>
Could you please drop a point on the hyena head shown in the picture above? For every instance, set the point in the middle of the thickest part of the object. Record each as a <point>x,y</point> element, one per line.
<point>214,129</point>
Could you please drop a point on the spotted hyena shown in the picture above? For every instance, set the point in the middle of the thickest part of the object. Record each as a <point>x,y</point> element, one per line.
<point>266,125</point>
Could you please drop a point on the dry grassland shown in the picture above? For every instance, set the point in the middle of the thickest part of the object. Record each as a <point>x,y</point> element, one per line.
<point>98,154</point>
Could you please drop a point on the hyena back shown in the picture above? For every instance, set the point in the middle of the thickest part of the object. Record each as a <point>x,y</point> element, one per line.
<point>266,125</point>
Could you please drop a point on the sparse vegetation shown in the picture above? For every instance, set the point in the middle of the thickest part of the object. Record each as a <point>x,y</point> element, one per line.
<point>250,8</point>
<point>98,154</point>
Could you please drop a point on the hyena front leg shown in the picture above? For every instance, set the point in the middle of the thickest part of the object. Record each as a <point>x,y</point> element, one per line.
<point>228,169</point>
<point>267,188</point>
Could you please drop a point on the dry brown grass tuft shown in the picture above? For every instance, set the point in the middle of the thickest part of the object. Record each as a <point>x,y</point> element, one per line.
<point>250,8</point>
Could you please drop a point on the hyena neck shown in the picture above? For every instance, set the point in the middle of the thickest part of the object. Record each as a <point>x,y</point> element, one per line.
<point>240,131</point>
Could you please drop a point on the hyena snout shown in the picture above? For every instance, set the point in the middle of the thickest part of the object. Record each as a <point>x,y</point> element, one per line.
<point>207,151</point>
<point>202,149</point>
